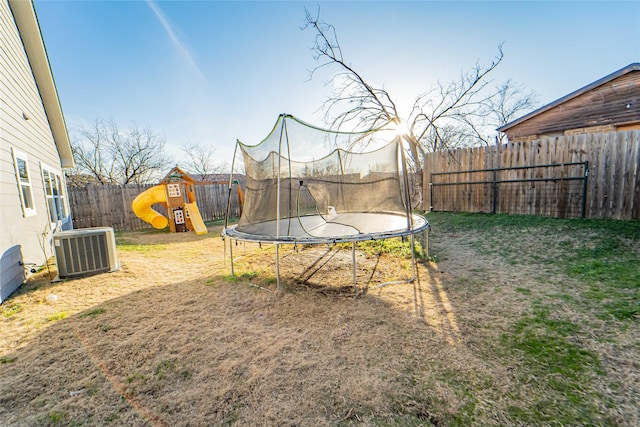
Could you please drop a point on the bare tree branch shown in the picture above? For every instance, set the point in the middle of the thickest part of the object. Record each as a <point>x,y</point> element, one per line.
<point>446,116</point>
<point>105,154</point>
<point>458,101</point>
<point>370,106</point>
<point>202,160</point>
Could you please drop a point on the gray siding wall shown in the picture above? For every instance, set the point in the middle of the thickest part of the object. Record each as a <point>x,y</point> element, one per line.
<point>19,94</point>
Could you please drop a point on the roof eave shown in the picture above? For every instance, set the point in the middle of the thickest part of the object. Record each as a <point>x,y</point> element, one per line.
<point>629,68</point>
<point>27,22</point>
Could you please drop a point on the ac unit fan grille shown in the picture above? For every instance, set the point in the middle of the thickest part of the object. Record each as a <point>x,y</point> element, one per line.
<point>85,251</point>
<point>86,254</point>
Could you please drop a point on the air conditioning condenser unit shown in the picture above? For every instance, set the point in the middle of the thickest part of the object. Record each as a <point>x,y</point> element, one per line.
<point>85,251</point>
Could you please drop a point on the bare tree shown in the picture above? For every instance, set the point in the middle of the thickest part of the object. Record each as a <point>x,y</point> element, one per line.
<point>105,154</point>
<point>447,115</point>
<point>451,106</point>
<point>508,101</point>
<point>511,101</point>
<point>202,160</point>
<point>91,152</point>
<point>361,106</point>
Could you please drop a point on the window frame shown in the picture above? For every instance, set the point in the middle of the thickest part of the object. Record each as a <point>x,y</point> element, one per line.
<point>54,193</point>
<point>19,156</point>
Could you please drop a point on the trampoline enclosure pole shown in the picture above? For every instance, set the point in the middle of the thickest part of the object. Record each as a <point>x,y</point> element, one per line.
<point>233,163</point>
<point>405,176</point>
<point>278,195</point>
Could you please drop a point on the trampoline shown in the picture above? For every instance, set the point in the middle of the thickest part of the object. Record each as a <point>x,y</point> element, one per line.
<point>307,185</point>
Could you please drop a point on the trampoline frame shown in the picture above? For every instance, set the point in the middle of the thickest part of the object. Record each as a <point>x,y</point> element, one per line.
<point>425,227</point>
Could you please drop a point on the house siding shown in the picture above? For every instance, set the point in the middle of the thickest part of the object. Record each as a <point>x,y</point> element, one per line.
<point>607,107</point>
<point>19,94</point>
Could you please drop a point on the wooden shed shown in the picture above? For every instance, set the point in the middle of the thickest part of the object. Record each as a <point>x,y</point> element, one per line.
<point>609,104</point>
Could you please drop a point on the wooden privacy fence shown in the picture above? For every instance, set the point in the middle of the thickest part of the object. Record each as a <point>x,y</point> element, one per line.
<point>110,205</point>
<point>557,190</point>
<point>542,177</point>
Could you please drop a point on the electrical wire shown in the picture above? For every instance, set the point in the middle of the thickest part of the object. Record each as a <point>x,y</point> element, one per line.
<point>315,204</point>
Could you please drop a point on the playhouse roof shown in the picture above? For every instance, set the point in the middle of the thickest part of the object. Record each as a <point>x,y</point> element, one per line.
<point>177,175</point>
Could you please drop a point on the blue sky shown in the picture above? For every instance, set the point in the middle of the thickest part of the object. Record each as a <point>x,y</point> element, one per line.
<point>211,72</point>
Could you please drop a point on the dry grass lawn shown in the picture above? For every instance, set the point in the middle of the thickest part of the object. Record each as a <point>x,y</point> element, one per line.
<point>172,340</point>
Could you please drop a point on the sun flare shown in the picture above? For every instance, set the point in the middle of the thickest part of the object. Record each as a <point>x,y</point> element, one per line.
<point>402,129</point>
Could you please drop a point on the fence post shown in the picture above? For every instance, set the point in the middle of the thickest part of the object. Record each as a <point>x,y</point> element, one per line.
<point>495,190</point>
<point>584,189</point>
<point>431,193</point>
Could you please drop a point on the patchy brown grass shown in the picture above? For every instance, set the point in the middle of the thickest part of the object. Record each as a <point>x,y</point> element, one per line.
<point>172,339</point>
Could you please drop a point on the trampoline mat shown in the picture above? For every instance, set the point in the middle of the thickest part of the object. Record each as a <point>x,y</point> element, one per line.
<point>346,227</point>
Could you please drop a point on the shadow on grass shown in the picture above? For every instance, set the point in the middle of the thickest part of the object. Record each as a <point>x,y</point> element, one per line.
<point>211,352</point>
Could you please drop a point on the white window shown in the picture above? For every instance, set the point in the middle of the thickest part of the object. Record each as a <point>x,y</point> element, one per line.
<point>174,190</point>
<point>178,215</point>
<point>21,164</point>
<point>54,192</point>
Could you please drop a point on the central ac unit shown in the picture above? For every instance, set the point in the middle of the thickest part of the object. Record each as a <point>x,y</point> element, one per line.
<point>85,251</point>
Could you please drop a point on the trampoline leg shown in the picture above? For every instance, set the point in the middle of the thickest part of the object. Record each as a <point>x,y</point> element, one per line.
<point>231,256</point>
<point>413,259</point>
<point>353,262</point>
<point>278,266</point>
<point>426,242</point>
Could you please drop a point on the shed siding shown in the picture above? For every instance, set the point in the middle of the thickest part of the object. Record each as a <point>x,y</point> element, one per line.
<point>614,103</point>
<point>19,94</point>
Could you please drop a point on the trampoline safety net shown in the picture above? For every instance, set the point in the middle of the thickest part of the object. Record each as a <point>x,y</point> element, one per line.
<point>300,187</point>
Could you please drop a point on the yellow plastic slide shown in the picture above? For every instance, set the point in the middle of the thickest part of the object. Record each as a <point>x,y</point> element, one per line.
<point>141,206</point>
<point>196,218</point>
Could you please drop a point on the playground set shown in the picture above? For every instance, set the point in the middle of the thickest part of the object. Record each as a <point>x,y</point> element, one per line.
<point>176,192</point>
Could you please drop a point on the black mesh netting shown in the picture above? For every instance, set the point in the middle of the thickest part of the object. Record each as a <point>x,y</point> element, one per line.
<point>303,181</point>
